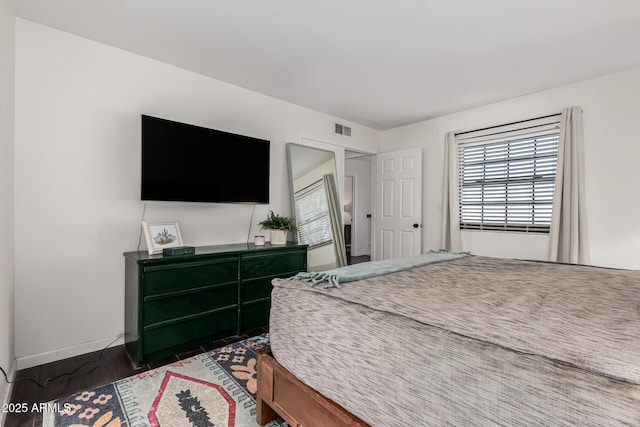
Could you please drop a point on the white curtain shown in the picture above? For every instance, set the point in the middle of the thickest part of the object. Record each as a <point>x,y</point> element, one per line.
<point>568,232</point>
<point>451,239</point>
<point>335,213</point>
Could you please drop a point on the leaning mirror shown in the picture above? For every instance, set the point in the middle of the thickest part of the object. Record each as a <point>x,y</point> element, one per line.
<point>316,205</point>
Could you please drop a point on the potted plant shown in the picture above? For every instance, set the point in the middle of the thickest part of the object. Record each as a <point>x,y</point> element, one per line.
<point>278,226</point>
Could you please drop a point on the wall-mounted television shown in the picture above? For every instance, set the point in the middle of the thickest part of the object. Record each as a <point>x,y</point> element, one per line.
<point>188,163</point>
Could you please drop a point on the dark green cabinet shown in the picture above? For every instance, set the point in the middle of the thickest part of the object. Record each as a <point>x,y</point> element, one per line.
<point>175,304</point>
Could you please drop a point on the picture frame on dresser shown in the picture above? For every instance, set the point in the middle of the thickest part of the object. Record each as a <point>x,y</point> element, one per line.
<point>160,235</point>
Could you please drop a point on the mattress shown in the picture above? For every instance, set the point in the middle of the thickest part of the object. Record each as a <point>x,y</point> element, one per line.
<point>473,341</point>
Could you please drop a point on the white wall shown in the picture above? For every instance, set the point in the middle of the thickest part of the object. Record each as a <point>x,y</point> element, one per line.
<point>77,167</point>
<point>611,107</point>
<point>7,349</point>
<point>360,169</point>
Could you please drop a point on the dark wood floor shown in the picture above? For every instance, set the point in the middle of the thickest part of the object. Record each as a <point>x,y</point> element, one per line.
<point>359,259</point>
<point>114,365</point>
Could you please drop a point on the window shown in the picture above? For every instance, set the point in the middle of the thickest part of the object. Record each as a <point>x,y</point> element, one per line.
<point>507,178</point>
<point>312,215</point>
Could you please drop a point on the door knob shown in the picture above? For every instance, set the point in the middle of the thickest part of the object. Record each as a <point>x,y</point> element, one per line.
<point>415,225</point>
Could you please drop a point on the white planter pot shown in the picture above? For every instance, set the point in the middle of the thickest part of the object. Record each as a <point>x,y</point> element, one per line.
<point>278,237</point>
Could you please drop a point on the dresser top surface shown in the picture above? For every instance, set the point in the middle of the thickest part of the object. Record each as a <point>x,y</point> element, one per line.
<point>236,248</point>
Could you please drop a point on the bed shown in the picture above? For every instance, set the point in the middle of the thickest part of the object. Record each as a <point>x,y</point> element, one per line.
<point>470,341</point>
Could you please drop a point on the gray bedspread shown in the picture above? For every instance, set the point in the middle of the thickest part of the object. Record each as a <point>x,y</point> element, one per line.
<point>473,341</point>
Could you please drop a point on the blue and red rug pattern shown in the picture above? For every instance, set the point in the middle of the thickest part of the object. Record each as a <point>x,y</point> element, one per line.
<point>212,389</point>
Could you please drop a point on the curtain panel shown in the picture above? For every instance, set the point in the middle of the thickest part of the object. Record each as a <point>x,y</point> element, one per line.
<point>335,213</point>
<point>568,233</point>
<point>451,237</point>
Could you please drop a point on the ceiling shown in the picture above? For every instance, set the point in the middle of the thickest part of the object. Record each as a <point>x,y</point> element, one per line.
<point>379,63</point>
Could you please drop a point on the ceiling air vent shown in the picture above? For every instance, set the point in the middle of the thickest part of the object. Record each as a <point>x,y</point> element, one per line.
<point>343,130</point>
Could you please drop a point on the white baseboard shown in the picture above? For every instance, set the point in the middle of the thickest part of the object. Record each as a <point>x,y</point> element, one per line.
<point>25,362</point>
<point>6,391</point>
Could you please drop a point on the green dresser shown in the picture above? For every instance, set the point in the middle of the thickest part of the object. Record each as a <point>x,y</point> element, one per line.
<point>175,304</point>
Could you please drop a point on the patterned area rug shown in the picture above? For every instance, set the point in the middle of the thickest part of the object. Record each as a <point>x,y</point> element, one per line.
<point>212,389</point>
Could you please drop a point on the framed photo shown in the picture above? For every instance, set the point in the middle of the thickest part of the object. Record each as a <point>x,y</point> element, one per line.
<point>160,235</point>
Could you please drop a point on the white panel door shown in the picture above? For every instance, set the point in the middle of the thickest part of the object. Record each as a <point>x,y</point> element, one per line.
<point>398,213</point>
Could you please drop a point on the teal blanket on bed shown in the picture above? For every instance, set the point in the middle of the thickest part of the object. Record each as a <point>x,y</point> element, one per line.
<point>364,270</point>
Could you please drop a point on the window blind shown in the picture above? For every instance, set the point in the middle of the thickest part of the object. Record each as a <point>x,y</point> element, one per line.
<point>312,215</point>
<point>507,178</point>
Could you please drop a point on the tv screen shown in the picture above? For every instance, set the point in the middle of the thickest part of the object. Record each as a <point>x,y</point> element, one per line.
<point>183,162</point>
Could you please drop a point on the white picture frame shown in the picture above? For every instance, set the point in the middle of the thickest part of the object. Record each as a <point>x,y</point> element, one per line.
<point>160,235</point>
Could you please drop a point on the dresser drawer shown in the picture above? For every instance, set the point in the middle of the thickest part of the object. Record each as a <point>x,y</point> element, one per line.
<point>159,279</point>
<point>183,303</point>
<point>256,289</point>
<point>281,263</point>
<point>255,314</point>
<point>175,333</point>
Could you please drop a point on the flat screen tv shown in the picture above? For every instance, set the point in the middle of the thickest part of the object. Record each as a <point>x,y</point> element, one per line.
<point>187,163</point>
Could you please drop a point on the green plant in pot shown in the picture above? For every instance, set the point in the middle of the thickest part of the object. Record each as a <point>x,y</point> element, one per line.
<point>278,226</point>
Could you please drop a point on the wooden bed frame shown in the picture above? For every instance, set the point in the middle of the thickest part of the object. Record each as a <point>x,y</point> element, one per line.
<point>282,393</point>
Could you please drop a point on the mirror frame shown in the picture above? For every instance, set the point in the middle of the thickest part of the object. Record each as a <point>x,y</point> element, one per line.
<point>337,232</point>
